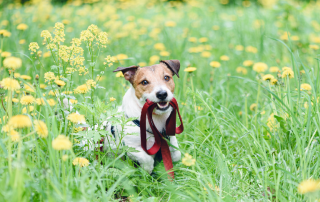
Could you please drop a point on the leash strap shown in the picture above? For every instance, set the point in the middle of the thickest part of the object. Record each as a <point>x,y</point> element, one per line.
<point>160,142</point>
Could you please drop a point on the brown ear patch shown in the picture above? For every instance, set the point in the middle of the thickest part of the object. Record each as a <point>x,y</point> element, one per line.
<point>173,65</point>
<point>128,72</point>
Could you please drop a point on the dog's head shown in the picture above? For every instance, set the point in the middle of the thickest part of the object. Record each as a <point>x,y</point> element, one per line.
<point>153,82</point>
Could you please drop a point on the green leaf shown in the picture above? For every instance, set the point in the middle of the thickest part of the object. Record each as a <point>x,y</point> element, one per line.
<point>283,123</point>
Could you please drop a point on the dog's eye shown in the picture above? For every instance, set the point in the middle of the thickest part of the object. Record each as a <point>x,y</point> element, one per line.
<point>167,78</point>
<point>144,82</point>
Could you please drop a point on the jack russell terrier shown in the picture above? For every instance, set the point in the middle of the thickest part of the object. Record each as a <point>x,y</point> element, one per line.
<point>156,84</point>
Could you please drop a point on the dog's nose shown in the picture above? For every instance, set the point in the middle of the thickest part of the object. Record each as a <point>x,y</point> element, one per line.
<point>162,94</point>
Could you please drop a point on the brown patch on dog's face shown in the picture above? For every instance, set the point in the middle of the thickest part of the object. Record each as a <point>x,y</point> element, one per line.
<point>146,79</point>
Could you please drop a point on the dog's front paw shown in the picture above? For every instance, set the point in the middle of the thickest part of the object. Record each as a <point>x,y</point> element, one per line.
<point>176,156</point>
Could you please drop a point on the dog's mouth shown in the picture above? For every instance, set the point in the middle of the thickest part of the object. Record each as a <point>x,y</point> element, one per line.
<point>163,105</point>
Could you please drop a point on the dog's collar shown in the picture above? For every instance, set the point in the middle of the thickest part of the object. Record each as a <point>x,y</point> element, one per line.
<point>137,122</point>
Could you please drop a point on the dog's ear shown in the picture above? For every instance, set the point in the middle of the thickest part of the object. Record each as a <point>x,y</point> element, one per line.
<point>128,72</point>
<point>173,65</point>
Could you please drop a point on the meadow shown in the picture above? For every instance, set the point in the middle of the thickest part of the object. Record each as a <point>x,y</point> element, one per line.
<point>248,93</point>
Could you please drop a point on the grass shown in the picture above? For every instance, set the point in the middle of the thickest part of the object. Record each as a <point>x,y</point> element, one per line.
<point>243,152</point>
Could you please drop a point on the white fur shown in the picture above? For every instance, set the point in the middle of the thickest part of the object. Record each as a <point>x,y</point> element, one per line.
<point>132,106</point>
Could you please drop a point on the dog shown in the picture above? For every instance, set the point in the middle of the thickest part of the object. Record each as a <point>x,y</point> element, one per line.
<point>155,83</point>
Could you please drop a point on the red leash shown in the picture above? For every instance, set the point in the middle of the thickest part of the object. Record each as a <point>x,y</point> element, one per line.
<point>160,142</point>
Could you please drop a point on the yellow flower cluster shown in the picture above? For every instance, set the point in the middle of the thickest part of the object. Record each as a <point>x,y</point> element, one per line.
<point>188,160</point>
<point>33,47</point>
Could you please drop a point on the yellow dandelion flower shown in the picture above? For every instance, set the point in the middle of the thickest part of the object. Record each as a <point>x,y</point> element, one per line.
<point>154,59</point>
<point>309,185</point>
<point>14,136</point>
<point>10,84</point>
<point>20,121</point>
<point>5,33</point>
<point>22,41</point>
<point>27,99</point>
<point>112,99</point>
<point>60,83</point>
<point>251,49</point>
<point>41,128</point>
<point>170,24</point>
<point>62,142</point>
<point>205,54</point>
<point>242,70</point>
<point>22,26</point>
<point>51,102</point>
<point>305,86</point>
<point>253,107</point>
<point>119,74</point>
<point>159,46</point>
<point>43,86</point>
<point>248,63</point>
<point>5,54</point>
<point>288,73</point>
<point>203,39</point>
<point>80,161</point>
<point>215,64</point>
<point>224,58</point>
<point>6,128</point>
<point>25,77</point>
<point>72,101</point>
<point>260,67</point>
<point>267,77</point>
<point>286,68</point>
<point>82,89</point>
<point>314,46</point>
<point>239,47</point>
<point>190,69</point>
<point>30,109</point>
<point>12,63</point>
<point>76,118</point>
<point>192,39</point>
<point>66,21</point>
<point>121,56</point>
<point>142,64</point>
<point>274,69</point>
<point>164,53</point>
<point>16,75</point>
<point>46,54</point>
<point>188,160</point>
<point>15,100</point>
<point>53,93</point>
<point>40,101</point>
<point>274,81</point>
<point>28,87</point>
<point>295,38</point>
<point>65,157</point>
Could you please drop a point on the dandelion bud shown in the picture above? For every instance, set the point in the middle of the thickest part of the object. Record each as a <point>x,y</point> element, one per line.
<point>37,77</point>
